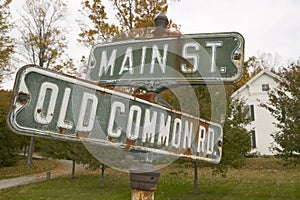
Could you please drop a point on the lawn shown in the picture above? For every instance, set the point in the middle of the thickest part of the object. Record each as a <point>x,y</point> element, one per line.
<point>20,169</point>
<point>262,178</point>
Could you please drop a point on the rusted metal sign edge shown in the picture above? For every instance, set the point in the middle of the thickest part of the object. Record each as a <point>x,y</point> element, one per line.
<point>205,144</point>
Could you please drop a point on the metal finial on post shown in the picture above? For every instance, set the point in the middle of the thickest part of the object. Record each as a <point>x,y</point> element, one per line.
<point>161,22</point>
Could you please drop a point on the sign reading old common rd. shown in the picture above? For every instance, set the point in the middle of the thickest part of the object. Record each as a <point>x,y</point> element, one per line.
<point>53,105</point>
<point>198,58</point>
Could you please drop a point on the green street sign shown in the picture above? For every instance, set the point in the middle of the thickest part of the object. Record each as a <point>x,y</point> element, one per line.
<point>186,59</point>
<point>52,105</point>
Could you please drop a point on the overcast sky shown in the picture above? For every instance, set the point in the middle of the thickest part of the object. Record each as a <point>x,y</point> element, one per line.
<point>271,26</point>
<point>267,25</point>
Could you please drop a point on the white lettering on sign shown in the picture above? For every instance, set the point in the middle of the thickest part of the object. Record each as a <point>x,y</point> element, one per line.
<point>188,131</point>
<point>201,139</point>
<point>210,141</point>
<point>62,122</point>
<point>134,134</point>
<point>127,58</point>
<point>86,118</point>
<point>144,49</point>
<point>190,51</point>
<point>176,137</point>
<point>44,112</point>
<point>149,126</point>
<point>44,115</point>
<point>194,57</point>
<point>113,112</point>
<point>164,130</point>
<point>161,60</point>
<point>183,130</point>
<point>105,64</point>
<point>214,46</point>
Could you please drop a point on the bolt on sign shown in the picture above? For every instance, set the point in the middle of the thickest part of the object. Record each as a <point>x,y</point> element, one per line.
<point>52,105</point>
<point>199,58</point>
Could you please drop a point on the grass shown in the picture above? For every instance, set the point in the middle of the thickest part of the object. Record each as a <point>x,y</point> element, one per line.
<point>262,178</point>
<point>20,169</point>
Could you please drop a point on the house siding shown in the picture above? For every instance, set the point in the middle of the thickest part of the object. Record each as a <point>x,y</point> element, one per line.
<point>263,123</point>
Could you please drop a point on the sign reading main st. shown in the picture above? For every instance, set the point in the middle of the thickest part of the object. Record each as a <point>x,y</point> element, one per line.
<point>62,107</point>
<point>186,59</point>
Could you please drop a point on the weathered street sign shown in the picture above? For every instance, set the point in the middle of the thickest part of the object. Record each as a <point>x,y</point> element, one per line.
<point>198,58</point>
<point>52,105</point>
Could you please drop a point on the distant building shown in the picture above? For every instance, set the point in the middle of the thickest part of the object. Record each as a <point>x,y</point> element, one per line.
<point>254,92</point>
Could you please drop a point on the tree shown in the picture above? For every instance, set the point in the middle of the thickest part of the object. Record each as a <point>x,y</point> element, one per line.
<point>43,40</point>
<point>8,146</point>
<point>6,43</point>
<point>130,15</point>
<point>284,107</point>
<point>264,61</point>
<point>236,139</point>
<point>8,140</point>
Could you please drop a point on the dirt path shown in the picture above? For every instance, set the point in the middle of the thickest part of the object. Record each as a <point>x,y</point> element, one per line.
<point>64,168</point>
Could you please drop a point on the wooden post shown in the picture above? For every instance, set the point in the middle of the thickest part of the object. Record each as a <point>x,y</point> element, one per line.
<point>48,175</point>
<point>195,177</point>
<point>102,175</point>
<point>73,169</point>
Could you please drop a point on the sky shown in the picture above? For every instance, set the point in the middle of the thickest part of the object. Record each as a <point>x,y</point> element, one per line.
<point>270,26</point>
<point>267,25</point>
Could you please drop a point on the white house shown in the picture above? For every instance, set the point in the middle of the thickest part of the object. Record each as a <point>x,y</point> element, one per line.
<point>254,92</point>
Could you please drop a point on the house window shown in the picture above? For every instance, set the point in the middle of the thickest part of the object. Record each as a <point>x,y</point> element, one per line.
<point>252,117</point>
<point>253,139</point>
<point>265,87</point>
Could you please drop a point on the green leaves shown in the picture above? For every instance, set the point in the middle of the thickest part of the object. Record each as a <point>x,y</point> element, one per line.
<point>8,143</point>
<point>284,106</point>
<point>129,15</point>
<point>43,41</point>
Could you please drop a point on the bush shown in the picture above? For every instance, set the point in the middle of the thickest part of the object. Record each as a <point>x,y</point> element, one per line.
<point>8,147</point>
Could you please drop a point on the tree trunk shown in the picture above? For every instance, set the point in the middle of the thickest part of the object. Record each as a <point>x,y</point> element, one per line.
<point>73,169</point>
<point>195,178</point>
<point>30,152</point>
<point>25,150</point>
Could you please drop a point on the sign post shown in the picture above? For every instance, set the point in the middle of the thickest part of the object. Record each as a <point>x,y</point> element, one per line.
<point>143,181</point>
<point>61,107</point>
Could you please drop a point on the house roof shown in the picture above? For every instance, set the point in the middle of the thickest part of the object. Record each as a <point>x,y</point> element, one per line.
<point>272,75</point>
